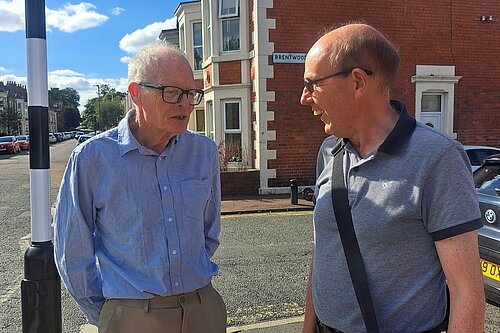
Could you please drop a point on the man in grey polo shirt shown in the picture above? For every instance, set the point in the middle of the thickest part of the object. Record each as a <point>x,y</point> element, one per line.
<point>411,194</point>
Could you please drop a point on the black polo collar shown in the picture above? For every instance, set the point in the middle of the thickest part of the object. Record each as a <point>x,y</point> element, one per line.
<point>401,132</point>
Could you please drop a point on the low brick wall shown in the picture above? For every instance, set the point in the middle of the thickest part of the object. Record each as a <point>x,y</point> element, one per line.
<point>240,183</point>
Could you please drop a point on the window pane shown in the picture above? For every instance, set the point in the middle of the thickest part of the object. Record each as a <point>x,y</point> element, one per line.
<point>210,121</point>
<point>232,116</point>
<point>232,145</point>
<point>431,103</point>
<point>200,120</point>
<point>197,34</point>
<point>488,180</point>
<point>228,7</point>
<point>198,58</point>
<point>231,35</point>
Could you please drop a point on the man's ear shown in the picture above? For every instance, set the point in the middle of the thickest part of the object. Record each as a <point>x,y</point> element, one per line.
<point>133,90</point>
<point>360,81</point>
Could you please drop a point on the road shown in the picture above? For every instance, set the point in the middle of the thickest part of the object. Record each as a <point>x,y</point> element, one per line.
<point>263,258</point>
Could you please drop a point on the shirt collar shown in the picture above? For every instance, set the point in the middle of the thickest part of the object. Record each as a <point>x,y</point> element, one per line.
<point>127,141</point>
<point>402,132</point>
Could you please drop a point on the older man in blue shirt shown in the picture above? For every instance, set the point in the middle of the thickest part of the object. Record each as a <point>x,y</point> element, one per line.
<point>138,213</point>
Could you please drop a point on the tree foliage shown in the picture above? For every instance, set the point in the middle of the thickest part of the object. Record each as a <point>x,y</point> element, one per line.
<point>105,112</point>
<point>66,101</point>
<point>10,119</point>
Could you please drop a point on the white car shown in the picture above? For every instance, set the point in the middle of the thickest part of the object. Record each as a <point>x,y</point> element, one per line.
<point>52,138</point>
<point>477,154</point>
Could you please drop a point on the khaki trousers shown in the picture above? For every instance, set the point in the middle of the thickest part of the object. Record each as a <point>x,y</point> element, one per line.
<point>201,311</point>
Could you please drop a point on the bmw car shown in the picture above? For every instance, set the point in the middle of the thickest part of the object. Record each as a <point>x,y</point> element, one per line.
<point>487,182</point>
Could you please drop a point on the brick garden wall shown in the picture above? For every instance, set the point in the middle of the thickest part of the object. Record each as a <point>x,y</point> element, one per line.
<point>240,183</point>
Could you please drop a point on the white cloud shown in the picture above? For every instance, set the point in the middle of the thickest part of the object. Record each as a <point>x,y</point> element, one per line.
<point>3,69</point>
<point>11,15</point>
<point>70,18</point>
<point>66,78</point>
<point>117,11</point>
<point>75,17</point>
<point>133,42</point>
<point>125,59</point>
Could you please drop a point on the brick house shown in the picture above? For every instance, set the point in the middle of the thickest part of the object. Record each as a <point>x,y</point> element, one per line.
<point>248,55</point>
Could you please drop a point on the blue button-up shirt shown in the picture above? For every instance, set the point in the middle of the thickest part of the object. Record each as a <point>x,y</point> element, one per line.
<point>130,223</point>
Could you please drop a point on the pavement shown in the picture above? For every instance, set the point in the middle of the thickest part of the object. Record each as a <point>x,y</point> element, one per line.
<point>251,205</point>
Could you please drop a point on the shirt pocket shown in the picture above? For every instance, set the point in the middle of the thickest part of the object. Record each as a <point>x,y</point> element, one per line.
<point>195,195</point>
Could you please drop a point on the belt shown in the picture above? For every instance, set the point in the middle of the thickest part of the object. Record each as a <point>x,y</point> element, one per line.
<point>161,302</point>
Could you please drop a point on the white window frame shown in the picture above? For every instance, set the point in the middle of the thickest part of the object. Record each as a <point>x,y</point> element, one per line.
<point>229,17</point>
<point>210,119</point>
<point>196,121</point>
<point>198,46</point>
<point>238,130</point>
<point>235,14</point>
<point>182,38</point>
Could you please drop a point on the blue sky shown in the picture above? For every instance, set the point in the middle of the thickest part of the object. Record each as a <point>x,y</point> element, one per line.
<point>87,42</point>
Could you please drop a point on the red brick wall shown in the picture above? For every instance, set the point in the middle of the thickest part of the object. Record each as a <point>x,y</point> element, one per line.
<point>207,76</point>
<point>426,32</point>
<point>198,83</point>
<point>230,72</point>
<point>240,183</point>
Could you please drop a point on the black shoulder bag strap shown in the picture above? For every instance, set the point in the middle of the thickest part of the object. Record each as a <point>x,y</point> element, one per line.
<point>343,216</point>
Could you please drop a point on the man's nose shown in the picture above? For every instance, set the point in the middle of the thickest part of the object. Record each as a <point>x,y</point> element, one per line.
<point>305,97</point>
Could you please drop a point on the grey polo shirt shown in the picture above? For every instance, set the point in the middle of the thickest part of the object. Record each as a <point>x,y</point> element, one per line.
<point>416,189</point>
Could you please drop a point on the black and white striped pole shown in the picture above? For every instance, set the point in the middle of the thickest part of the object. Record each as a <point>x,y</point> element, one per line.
<point>41,286</point>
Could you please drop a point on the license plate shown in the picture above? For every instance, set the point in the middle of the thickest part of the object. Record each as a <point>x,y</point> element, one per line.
<point>490,270</point>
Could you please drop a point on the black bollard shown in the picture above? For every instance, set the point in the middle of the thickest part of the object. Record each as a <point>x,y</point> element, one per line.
<point>294,190</point>
<point>41,286</point>
<point>41,290</point>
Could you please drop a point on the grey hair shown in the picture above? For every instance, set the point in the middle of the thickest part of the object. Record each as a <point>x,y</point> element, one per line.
<point>147,62</point>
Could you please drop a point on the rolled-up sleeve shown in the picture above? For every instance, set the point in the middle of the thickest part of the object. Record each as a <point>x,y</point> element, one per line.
<point>74,231</point>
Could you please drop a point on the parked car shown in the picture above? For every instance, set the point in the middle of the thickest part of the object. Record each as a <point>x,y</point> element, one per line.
<point>24,142</point>
<point>487,181</point>
<point>59,136</point>
<point>83,138</point>
<point>52,138</point>
<point>477,154</point>
<point>9,145</point>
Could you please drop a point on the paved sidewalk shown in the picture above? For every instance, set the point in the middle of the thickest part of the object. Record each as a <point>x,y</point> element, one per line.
<point>289,325</point>
<point>262,203</point>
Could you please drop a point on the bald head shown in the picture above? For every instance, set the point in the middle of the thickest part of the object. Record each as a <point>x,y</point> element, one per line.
<point>358,45</point>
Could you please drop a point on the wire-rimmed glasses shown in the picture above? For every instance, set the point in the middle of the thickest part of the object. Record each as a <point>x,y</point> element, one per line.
<point>310,84</point>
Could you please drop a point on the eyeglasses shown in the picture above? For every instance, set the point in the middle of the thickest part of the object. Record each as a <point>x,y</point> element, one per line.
<point>173,95</point>
<point>310,84</point>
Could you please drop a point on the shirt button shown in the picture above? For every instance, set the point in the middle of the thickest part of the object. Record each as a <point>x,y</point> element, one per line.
<point>174,252</point>
<point>170,219</point>
<point>176,284</point>
<point>165,188</point>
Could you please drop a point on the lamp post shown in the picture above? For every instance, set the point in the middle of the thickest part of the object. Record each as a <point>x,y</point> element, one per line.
<point>98,112</point>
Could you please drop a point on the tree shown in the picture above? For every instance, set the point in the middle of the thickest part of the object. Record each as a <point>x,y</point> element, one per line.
<point>108,112</point>
<point>66,102</point>
<point>10,119</point>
